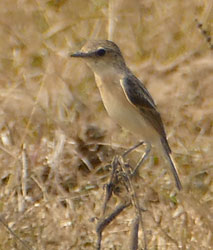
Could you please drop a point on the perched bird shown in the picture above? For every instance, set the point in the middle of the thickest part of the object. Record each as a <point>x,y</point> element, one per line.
<point>125,98</point>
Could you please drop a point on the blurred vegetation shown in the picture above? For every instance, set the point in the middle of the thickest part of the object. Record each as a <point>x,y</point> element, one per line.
<point>56,138</point>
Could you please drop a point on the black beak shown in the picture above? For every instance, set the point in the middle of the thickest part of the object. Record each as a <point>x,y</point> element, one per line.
<point>80,54</point>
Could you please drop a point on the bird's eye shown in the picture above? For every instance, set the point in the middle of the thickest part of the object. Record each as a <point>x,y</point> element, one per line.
<point>101,52</point>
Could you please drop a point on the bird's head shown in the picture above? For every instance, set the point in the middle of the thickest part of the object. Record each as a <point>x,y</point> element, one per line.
<point>101,55</point>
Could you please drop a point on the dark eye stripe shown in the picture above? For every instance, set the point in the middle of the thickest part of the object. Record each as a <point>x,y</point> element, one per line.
<point>101,52</point>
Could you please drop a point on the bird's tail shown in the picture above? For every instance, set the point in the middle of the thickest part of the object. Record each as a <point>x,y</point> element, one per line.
<point>168,154</point>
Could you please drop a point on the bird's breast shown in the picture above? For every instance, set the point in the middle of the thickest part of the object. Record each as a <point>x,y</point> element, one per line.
<point>120,109</point>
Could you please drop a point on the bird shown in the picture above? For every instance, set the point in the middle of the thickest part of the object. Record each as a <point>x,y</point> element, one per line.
<point>125,97</point>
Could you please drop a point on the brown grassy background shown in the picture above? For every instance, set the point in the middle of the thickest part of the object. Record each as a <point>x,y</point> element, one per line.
<point>55,135</point>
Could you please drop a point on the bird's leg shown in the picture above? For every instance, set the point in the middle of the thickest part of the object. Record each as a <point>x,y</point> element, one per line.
<point>133,148</point>
<point>143,157</point>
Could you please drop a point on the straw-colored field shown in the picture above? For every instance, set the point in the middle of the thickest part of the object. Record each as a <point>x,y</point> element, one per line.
<point>56,138</point>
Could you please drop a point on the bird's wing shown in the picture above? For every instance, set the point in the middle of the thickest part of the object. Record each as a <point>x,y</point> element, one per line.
<point>140,98</point>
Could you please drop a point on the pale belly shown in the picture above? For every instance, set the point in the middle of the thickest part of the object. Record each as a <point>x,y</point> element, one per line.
<point>124,113</point>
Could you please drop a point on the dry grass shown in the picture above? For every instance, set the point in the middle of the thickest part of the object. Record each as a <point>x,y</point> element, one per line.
<point>56,136</point>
